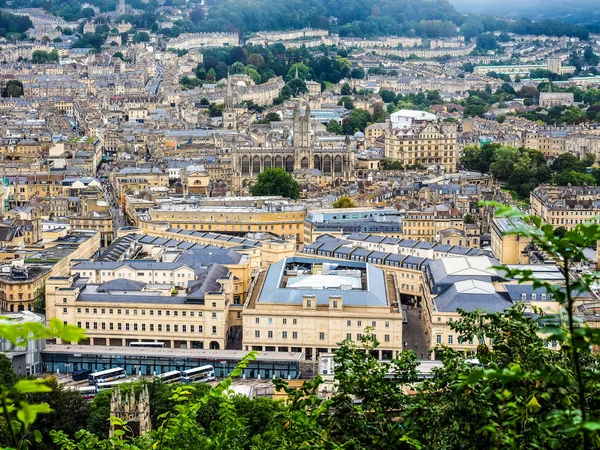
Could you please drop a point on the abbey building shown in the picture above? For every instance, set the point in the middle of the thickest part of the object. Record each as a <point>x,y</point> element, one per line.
<point>296,151</point>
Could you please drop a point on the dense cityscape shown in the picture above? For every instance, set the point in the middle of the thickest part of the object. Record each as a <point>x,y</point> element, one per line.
<point>318,224</point>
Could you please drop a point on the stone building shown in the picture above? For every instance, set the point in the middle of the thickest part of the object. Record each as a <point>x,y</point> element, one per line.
<point>566,206</point>
<point>416,138</point>
<point>550,99</point>
<point>297,153</point>
<point>308,305</point>
<point>134,411</point>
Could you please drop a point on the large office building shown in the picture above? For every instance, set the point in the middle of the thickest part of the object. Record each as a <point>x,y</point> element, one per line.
<point>148,288</point>
<point>416,138</point>
<point>276,216</point>
<point>306,305</point>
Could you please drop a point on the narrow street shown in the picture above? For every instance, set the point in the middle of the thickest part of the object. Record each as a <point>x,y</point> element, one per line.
<point>414,335</point>
<point>118,217</point>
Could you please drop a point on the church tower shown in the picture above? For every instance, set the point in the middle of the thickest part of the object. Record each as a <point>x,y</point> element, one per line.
<point>134,411</point>
<point>229,114</point>
<point>302,140</point>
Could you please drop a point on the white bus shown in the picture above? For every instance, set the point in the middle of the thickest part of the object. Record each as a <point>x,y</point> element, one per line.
<point>88,391</point>
<point>170,377</point>
<point>201,374</point>
<point>147,344</point>
<point>107,375</point>
<point>114,384</point>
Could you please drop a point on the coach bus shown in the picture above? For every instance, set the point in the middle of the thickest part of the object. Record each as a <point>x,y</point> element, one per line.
<point>88,392</point>
<point>173,376</point>
<point>114,384</point>
<point>147,344</point>
<point>201,374</point>
<point>81,374</point>
<point>106,375</point>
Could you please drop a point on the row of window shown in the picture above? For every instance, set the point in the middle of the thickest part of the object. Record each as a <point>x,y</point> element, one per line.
<point>359,323</point>
<point>141,274</point>
<point>142,327</point>
<point>143,312</point>
<point>284,335</point>
<point>438,340</point>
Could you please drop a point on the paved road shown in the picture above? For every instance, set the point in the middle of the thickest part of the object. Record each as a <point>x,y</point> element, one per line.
<point>414,335</point>
<point>118,217</point>
<point>154,84</point>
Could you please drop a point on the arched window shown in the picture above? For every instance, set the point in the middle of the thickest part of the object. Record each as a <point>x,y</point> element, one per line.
<point>327,164</point>
<point>256,165</point>
<point>278,162</point>
<point>289,164</point>
<point>317,162</point>
<point>304,163</point>
<point>267,162</point>
<point>245,165</point>
<point>337,164</point>
<point>214,345</point>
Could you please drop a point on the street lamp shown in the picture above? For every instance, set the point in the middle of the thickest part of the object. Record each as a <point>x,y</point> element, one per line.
<point>223,364</point>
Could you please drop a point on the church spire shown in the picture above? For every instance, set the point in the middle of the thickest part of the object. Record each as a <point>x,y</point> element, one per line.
<point>229,100</point>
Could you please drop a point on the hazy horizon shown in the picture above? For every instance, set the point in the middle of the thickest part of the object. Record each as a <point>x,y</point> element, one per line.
<point>583,11</point>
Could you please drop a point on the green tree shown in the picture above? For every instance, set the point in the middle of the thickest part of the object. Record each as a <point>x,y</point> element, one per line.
<point>8,377</point>
<point>566,162</point>
<point>346,89</point>
<point>344,202</point>
<point>357,73</point>
<point>141,36</point>
<point>14,88</point>
<point>504,162</point>
<point>196,15</point>
<point>379,113</point>
<point>256,60</point>
<point>573,178</point>
<point>211,75</point>
<point>388,164</point>
<point>357,120</point>
<point>334,127</point>
<point>275,181</point>
<point>487,41</point>
<point>346,102</point>
<point>297,87</point>
<point>69,410</point>
<point>468,67</point>
<point>468,218</point>
<point>303,71</point>
<point>387,96</point>
<point>273,117</point>
<point>39,303</point>
<point>590,57</point>
<point>237,68</point>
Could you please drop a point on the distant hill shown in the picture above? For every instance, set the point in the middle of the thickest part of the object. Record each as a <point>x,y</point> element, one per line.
<point>582,12</point>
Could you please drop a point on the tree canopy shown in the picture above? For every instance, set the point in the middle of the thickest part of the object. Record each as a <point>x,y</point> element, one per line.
<point>344,202</point>
<point>275,181</point>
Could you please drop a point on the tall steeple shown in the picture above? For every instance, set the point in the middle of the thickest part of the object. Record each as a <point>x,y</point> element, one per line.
<point>229,100</point>
<point>229,113</point>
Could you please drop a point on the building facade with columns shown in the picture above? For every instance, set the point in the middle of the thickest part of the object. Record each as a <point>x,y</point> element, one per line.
<point>309,305</point>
